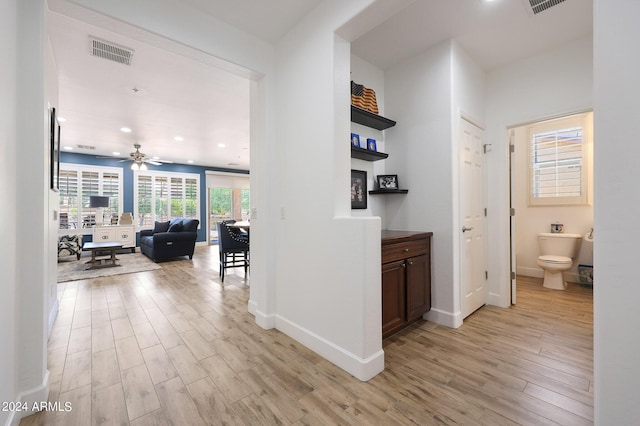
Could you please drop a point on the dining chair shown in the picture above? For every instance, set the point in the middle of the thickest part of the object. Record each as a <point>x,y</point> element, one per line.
<point>233,249</point>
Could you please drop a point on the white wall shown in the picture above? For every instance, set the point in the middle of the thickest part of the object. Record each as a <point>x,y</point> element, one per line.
<point>418,96</point>
<point>533,220</point>
<point>51,94</point>
<point>32,247</point>
<point>372,77</point>
<point>616,212</point>
<point>8,195</point>
<point>522,92</point>
<point>328,294</point>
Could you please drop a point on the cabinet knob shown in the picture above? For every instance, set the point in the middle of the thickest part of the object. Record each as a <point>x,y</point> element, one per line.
<point>406,249</point>
<point>404,265</point>
<point>410,263</point>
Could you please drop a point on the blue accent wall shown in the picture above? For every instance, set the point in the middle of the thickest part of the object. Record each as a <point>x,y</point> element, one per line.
<point>127,175</point>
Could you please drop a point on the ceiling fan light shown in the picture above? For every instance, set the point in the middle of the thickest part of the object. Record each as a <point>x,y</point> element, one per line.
<point>134,166</point>
<point>143,166</point>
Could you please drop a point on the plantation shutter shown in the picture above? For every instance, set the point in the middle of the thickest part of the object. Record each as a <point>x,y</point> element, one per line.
<point>557,163</point>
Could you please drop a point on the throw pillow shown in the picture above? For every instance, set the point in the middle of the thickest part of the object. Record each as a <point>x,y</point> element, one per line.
<point>190,225</point>
<point>161,227</point>
<point>175,227</point>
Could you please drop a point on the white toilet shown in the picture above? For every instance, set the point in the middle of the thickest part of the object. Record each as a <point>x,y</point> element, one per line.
<point>557,252</point>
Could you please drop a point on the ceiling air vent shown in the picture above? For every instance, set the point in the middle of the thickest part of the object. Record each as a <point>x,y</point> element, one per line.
<point>537,6</point>
<point>111,51</point>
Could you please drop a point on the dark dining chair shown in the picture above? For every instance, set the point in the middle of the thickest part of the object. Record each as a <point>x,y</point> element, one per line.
<point>233,248</point>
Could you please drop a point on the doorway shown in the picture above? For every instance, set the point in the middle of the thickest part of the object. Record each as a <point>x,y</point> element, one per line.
<point>551,182</point>
<point>232,201</point>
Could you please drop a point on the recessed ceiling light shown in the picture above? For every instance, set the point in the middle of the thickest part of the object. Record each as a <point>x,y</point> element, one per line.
<point>115,153</point>
<point>178,138</point>
<point>221,145</point>
<point>190,161</point>
<point>125,129</point>
<point>68,148</point>
<point>62,119</point>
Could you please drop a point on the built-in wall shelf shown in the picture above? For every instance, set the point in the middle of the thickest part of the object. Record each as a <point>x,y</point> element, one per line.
<point>389,191</point>
<point>369,119</point>
<point>367,155</point>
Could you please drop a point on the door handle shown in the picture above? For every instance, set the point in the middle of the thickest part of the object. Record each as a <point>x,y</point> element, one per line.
<point>465,229</point>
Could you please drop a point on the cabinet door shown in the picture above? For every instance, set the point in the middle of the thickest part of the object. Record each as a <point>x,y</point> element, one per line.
<point>394,311</point>
<point>126,235</point>
<point>102,234</point>
<point>418,287</point>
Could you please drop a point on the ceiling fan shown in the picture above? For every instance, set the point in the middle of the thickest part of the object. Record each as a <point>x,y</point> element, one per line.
<point>140,159</point>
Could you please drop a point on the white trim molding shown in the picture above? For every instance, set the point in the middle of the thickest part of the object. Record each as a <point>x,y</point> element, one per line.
<point>362,368</point>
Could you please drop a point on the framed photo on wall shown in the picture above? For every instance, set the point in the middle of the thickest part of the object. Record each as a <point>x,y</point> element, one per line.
<point>387,181</point>
<point>54,135</point>
<point>358,189</point>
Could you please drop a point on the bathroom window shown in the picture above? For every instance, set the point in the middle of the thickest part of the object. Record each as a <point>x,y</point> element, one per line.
<point>559,161</point>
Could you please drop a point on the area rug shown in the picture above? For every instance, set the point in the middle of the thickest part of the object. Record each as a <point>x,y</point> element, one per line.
<point>70,269</point>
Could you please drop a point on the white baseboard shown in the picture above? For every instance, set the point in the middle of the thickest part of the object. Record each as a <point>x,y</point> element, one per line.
<point>529,272</point>
<point>252,307</point>
<point>265,321</point>
<point>52,316</point>
<point>447,319</point>
<point>31,397</point>
<point>362,369</point>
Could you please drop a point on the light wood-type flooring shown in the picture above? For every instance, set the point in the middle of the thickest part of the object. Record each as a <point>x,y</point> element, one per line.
<point>173,346</point>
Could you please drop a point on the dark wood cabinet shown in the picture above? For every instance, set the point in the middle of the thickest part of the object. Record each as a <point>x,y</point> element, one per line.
<point>394,306</point>
<point>406,278</point>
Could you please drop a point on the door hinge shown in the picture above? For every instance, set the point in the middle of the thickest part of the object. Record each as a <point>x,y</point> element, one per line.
<point>513,275</point>
<point>485,212</point>
<point>512,212</point>
<point>512,148</point>
<point>486,275</point>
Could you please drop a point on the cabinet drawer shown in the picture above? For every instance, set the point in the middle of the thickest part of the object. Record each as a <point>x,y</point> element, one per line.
<point>397,251</point>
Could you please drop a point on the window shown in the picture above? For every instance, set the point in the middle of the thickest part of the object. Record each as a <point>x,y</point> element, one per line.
<point>78,183</point>
<point>164,196</point>
<point>559,161</point>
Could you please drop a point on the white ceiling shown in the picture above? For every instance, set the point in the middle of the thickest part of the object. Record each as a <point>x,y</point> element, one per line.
<point>207,106</point>
<point>494,33</point>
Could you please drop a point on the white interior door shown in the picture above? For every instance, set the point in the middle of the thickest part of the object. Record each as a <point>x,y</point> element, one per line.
<point>512,215</point>
<point>473,281</point>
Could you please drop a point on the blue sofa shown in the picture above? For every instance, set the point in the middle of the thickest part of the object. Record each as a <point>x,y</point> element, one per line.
<point>168,240</point>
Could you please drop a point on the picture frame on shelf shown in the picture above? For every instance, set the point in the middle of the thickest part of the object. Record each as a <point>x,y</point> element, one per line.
<point>387,182</point>
<point>358,189</point>
<point>355,140</point>
<point>371,144</point>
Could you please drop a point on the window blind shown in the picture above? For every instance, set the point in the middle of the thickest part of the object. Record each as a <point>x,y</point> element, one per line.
<point>557,162</point>
<point>162,196</point>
